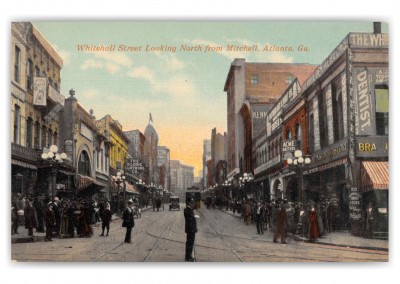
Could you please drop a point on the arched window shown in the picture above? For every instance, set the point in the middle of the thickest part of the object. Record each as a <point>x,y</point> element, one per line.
<point>298,134</point>
<point>84,164</point>
<point>288,134</point>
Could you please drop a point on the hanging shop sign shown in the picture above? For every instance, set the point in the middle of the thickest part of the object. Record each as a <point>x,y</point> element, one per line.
<point>372,146</point>
<point>39,91</point>
<point>355,212</point>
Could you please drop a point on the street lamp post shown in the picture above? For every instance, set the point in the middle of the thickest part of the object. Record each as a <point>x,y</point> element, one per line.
<point>120,179</point>
<point>299,164</point>
<point>54,159</point>
<point>244,180</point>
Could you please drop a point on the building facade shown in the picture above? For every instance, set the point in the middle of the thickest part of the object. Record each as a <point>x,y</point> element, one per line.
<point>339,119</point>
<point>151,152</point>
<point>182,177</point>
<point>251,89</point>
<point>206,158</point>
<point>35,105</point>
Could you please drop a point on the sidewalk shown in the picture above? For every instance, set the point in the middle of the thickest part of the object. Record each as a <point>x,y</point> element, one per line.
<point>23,237</point>
<point>342,239</point>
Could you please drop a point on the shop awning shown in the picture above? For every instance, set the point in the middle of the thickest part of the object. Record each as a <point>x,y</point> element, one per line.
<point>130,188</point>
<point>375,176</point>
<point>86,182</point>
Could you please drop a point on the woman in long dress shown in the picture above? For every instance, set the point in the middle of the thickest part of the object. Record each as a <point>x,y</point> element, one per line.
<point>313,220</point>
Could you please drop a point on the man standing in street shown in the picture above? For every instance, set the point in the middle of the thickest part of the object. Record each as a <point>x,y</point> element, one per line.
<point>128,221</point>
<point>281,224</point>
<point>30,217</point>
<point>259,213</point>
<point>190,229</point>
<point>50,222</point>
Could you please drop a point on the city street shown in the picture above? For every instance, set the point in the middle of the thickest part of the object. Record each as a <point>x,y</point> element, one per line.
<point>160,237</point>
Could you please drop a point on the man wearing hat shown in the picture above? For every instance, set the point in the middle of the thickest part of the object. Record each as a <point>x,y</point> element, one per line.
<point>50,222</point>
<point>128,221</point>
<point>57,215</point>
<point>190,228</point>
<point>30,217</point>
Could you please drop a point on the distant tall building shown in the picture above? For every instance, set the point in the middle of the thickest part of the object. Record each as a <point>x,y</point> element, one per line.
<point>218,156</point>
<point>206,157</point>
<point>164,165</point>
<point>182,177</point>
<point>151,152</point>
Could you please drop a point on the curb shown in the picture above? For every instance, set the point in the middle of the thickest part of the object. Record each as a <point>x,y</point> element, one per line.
<point>300,239</point>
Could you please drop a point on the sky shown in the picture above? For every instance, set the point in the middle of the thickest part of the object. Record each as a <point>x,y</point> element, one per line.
<point>176,70</point>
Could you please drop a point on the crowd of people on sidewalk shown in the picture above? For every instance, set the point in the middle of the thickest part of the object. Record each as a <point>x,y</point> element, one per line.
<point>310,221</point>
<point>62,218</point>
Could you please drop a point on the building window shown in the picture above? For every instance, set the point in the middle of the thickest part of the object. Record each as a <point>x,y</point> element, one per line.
<point>37,135</point>
<point>44,133</point>
<point>382,109</point>
<point>337,111</point>
<point>254,79</point>
<point>17,123</point>
<point>311,141</point>
<point>29,77</point>
<point>298,137</point>
<point>323,129</point>
<point>84,164</point>
<point>50,138</point>
<point>37,71</point>
<point>288,134</point>
<point>17,67</point>
<point>29,128</point>
<point>55,140</point>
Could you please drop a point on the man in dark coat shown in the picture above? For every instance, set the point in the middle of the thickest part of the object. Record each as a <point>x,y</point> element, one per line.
<point>30,217</point>
<point>128,221</point>
<point>50,222</point>
<point>281,224</point>
<point>57,215</point>
<point>106,218</point>
<point>190,229</point>
<point>259,213</point>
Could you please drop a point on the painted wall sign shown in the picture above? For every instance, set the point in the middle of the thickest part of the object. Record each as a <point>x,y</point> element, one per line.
<point>259,114</point>
<point>355,213</point>
<point>289,146</point>
<point>364,102</point>
<point>372,146</point>
<point>86,132</point>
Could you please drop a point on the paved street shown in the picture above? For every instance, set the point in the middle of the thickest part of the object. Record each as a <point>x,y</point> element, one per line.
<point>159,237</point>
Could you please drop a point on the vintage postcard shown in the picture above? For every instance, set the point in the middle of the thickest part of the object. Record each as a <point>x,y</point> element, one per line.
<point>199,141</point>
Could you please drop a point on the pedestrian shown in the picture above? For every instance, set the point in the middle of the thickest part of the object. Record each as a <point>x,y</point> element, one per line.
<point>320,221</point>
<point>128,221</point>
<point>106,218</point>
<point>57,215</point>
<point>190,229</point>
<point>281,224</point>
<point>50,222</point>
<point>368,220</point>
<point>247,213</point>
<point>14,218</point>
<point>330,212</point>
<point>259,213</point>
<point>30,217</point>
<point>38,204</point>
<point>313,223</point>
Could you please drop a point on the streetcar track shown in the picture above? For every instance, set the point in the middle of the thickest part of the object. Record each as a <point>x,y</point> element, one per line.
<point>159,238</point>
<point>222,238</point>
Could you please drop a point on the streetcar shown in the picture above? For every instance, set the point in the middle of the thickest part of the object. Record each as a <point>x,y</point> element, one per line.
<point>194,194</point>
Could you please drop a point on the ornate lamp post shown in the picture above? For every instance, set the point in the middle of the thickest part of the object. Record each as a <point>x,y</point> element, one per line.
<point>120,179</point>
<point>226,185</point>
<point>54,159</point>
<point>243,181</point>
<point>299,164</point>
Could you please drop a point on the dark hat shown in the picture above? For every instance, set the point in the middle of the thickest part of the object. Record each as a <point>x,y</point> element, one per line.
<point>130,201</point>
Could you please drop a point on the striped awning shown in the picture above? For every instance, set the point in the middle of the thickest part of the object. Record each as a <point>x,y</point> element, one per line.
<point>86,181</point>
<point>375,175</point>
<point>131,188</point>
